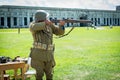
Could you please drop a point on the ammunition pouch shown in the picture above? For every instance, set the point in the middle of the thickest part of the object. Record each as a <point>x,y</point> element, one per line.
<point>43,46</point>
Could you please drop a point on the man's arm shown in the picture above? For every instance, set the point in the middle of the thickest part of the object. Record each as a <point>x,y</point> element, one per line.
<point>57,30</point>
<point>37,26</point>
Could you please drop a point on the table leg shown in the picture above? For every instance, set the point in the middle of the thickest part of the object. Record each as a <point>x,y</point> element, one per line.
<point>22,73</point>
<point>2,75</point>
<point>15,74</point>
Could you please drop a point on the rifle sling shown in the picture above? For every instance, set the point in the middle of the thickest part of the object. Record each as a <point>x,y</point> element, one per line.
<point>66,33</point>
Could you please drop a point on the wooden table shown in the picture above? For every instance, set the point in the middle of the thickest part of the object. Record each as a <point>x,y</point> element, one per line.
<point>12,65</point>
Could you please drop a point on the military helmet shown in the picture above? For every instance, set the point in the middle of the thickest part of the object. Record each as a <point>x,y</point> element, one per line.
<point>41,15</point>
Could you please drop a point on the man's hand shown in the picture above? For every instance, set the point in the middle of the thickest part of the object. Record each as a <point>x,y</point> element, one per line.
<point>47,22</point>
<point>62,23</point>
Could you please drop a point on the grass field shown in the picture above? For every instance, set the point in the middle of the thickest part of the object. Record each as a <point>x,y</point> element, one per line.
<point>84,54</point>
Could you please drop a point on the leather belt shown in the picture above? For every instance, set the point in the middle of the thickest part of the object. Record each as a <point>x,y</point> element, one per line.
<point>43,46</point>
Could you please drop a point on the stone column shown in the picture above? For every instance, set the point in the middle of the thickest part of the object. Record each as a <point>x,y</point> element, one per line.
<point>21,21</point>
<point>11,19</point>
<point>113,21</point>
<point>18,23</point>
<point>28,19</point>
<point>5,22</point>
<point>0,21</point>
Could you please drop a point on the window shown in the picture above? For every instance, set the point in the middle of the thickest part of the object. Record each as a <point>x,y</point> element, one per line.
<point>2,21</point>
<point>25,20</point>
<point>104,21</point>
<point>98,20</point>
<point>9,22</point>
<point>31,19</point>
<point>115,21</point>
<point>107,21</point>
<point>15,21</point>
<point>118,21</point>
<point>111,22</point>
<point>91,19</point>
<point>50,18</point>
<point>95,21</point>
<point>55,22</point>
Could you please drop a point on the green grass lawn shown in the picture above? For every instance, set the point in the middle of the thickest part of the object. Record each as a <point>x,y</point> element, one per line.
<point>84,54</point>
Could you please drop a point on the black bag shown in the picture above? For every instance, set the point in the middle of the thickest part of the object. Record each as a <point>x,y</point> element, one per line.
<point>4,59</point>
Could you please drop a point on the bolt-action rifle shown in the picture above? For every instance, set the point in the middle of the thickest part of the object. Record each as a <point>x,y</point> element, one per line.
<point>70,21</point>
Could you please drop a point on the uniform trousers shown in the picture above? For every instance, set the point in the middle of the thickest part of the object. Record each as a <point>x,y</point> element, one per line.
<point>43,62</point>
<point>43,67</point>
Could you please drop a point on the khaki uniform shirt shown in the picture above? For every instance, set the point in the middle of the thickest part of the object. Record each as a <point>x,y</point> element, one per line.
<point>44,34</point>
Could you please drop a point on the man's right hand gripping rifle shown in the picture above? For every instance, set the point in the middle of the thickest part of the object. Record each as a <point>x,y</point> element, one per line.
<point>61,23</point>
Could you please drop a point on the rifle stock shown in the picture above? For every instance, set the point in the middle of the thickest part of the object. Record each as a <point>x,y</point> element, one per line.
<point>71,21</point>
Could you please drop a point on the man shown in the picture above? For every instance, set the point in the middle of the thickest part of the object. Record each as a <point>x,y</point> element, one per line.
<point>42,53</point>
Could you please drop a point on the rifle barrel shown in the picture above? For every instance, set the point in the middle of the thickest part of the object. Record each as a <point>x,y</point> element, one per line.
<point>72,21</point>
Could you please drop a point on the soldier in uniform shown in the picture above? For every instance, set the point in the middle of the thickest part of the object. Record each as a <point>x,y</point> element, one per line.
<point>42,52</point>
